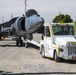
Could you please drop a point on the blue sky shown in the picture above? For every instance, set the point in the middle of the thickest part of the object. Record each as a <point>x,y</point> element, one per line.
<point>48,9</point>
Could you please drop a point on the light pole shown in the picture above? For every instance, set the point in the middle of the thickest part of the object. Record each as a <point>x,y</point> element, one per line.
<point>11,16</point>
<point>25,9</point>
<point>2,19</point>
<point>59,12</point>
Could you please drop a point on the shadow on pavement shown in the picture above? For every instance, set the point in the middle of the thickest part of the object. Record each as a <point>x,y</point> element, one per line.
<point>8,46</point>
<point>30,46</point>
<point>42,73</point>
<point>33,46</point>
<point>68,61</point>
<point>63,61</point>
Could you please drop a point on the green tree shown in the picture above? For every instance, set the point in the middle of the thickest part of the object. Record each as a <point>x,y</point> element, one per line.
<point>62,19</point>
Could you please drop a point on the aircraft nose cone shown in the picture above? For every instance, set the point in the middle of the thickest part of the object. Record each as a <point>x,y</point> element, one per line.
<point>41,20</point>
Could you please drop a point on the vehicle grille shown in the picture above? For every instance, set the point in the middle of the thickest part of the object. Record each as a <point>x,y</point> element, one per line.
<point>71,50</point>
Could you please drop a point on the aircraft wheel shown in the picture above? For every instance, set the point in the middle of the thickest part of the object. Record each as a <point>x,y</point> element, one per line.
<point>21,42</point>
<point>17,42</point>
<point>26,45</point>
<point>0,37</point>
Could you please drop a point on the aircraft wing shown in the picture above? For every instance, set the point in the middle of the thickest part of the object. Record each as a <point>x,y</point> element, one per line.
<point>9,23</point>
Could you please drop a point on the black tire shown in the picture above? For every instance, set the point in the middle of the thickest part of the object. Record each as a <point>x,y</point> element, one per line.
<point>43,51</point>
<point>21,43</point>
<point>17,43</point>
<point>26,45</point>
<point>56,58</point>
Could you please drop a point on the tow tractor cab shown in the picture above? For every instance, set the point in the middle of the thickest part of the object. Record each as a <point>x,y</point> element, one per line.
<point>58,41</point>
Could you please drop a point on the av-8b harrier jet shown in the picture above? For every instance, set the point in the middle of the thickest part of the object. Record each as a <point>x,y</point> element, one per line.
<point>23,26</point>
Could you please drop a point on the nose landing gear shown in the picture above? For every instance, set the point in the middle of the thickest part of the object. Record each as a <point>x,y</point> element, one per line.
<point>19,42</point>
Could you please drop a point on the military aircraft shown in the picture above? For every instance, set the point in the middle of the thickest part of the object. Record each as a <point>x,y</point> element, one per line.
<point>24,26</point>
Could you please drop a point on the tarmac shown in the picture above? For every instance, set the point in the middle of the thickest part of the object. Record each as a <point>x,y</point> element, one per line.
<point>28,61</point>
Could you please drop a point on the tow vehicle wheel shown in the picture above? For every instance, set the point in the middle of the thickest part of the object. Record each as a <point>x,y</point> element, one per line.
<point>43,52</point>
<point>56,58</point>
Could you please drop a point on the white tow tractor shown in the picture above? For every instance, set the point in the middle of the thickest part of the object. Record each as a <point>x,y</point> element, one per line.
<point>58,41</point>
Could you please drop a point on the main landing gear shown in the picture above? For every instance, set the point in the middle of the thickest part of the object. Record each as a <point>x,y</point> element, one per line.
<point>19,42</point>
